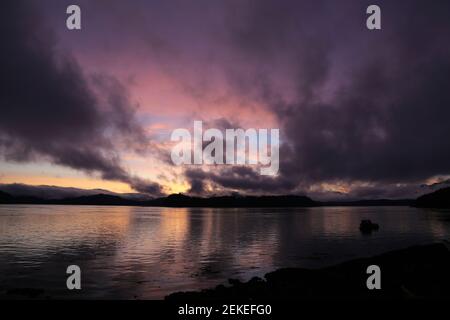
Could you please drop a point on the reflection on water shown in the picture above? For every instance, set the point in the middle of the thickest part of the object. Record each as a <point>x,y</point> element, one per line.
<point>134,252</point>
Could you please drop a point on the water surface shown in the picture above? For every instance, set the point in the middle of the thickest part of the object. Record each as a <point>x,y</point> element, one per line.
<point>146,253</point>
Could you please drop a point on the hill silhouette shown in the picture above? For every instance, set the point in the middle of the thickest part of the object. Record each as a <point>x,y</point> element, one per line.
<point>437,199</point>
<point>5,197</point>
<point>180,200</point>
<point>370,203</point>
<point>174,200</point>
<point>98,200</point>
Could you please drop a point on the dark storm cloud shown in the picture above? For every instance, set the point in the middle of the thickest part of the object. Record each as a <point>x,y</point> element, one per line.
<point>388,122</point>
<point>236,178</point>
<point>50,110</point>
<point>353,104</point>
<point>196,179</point>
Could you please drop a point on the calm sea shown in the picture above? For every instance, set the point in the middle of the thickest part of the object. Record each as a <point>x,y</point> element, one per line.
<point>147,253</point>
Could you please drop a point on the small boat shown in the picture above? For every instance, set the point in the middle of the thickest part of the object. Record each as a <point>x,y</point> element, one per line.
<point>368,226</point>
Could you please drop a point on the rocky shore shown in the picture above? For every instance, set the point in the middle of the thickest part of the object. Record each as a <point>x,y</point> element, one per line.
<point>421,272</point>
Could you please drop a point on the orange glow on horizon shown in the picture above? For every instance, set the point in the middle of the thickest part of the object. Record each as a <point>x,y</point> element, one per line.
<point>73,182</point>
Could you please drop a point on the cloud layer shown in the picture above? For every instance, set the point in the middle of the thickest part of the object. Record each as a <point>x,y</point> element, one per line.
<point>51,110</point>
<point>355,106</point>
<point>365,109</point>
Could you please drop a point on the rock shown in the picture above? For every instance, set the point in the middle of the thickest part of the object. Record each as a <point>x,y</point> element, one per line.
<point>368,226</point>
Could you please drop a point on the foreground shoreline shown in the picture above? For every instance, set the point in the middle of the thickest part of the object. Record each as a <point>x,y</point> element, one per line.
<point>419,272</point>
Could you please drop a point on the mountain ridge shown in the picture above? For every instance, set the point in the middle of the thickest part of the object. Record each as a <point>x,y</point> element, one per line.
<point>437,199</point>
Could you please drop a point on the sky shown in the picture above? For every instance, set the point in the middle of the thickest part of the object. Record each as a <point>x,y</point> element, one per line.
<point>362,113</point>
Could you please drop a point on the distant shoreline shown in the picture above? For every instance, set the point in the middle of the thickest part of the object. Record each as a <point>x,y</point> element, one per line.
<point>183,201</point>
<point>437,199</point>
<point>210,207</point>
